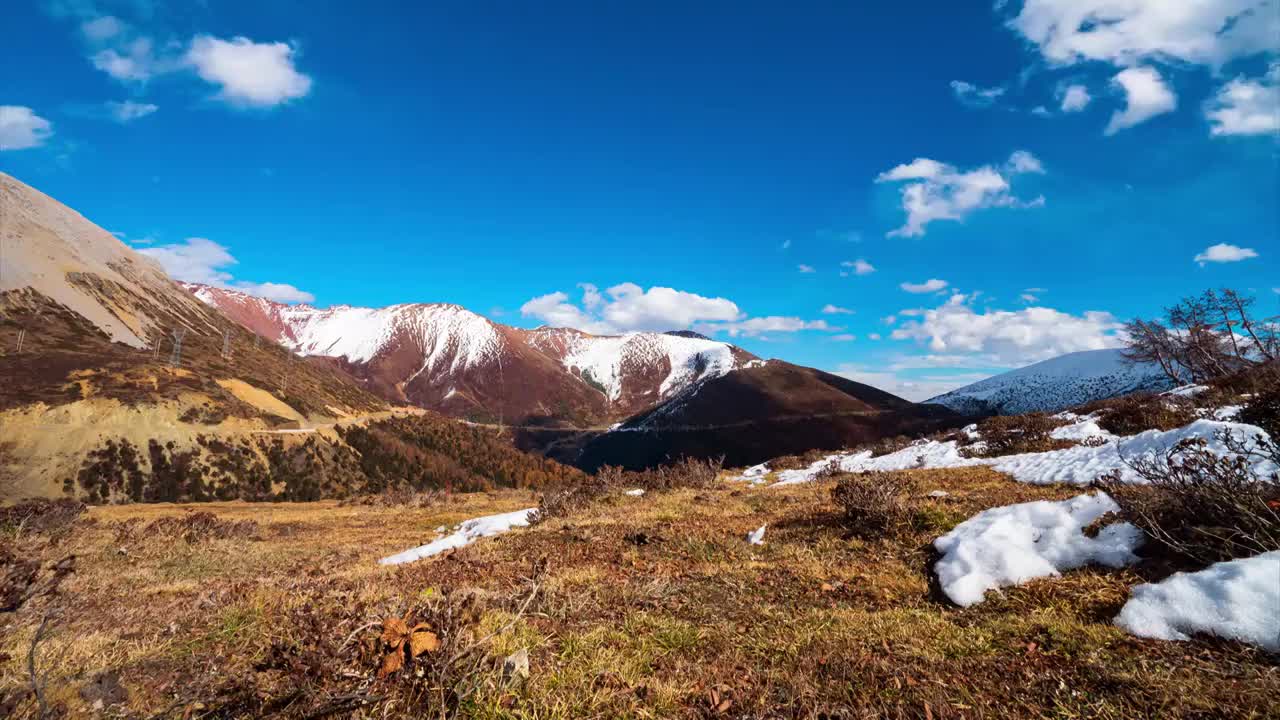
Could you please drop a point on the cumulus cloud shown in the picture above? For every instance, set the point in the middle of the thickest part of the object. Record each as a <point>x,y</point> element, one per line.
<point>128,111</point>
<point>830,309</point>
<point>974,96</point>
<point>1224,253</point>
<point>627,307</point>
<point>249,73</point>
<point>915,389</point>
<point>928,286</point>
<point>21,128</point>
<point>133,61</point>
<point>1247,106</point>
<point>939,191</point>
<point>1009,338</point>
<point>856,267</point>
<point>100,29</point>
<point>1146,95</point>
<point>201,260</point>
<point>761,326</point>
<point>1127,32</point>
<point>1075,98</point>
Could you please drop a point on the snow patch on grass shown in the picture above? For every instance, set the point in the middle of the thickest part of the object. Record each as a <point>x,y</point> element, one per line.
<point>1237,600</point>
<point>1013,544</point>
<point>467,533</point>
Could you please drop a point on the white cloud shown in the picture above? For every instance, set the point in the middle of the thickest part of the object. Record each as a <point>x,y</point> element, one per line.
<point>1126,32</point>
<point>1075,98</point>
<point>21,128</point>
<point>830,309</point>
<point>873,336</point>
<point>102,28</point>
<point>857,267</point>
<point>1224,253</point>
<point>1247,107</point>
<point>759,326</point>
<point>1009,338</point>
<point>128,111</point>
<point>928,286</point>
<point>249,73</point>
<point>942,192</point>
<point>844,337</point>
<point>627,307</point>
<point>1028,298</point>
<point>200,260</point>
<point>806,268</point>
<point>889,319</point>
<point>915,389</point>
<point>1146,95</point>
<point>974,96</point>
<point>132,61</point>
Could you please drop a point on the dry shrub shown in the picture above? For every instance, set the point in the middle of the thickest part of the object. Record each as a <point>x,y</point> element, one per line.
<point>192,527</point>
<point>889,445</point>
<point>40,515</point>
<point>1203,507</point>
<point>1132,414</point>
<point>797,462</point>
<point>875,503</point>
<point>684,473</point>
<point>1263,410</point>
<point>399,497</point>
<point>17,575</point>
<point>1012,434</point>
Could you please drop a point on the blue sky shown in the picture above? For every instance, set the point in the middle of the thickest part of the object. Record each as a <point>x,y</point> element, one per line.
<point>645,166</point>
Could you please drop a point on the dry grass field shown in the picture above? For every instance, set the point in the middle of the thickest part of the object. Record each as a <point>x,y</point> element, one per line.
<point>633,607</point>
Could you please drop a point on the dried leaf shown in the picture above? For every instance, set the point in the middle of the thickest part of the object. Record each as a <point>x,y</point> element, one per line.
<point>423,641</point>
<point>391,662</point>
<point>394,632</point>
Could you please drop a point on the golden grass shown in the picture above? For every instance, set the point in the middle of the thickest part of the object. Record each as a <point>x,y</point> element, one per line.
<point>646,607</point>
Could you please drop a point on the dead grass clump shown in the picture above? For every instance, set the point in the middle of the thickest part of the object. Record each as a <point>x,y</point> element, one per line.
<point>796,462</point>
<point>1202,507</point>
<point>1132,414</point>
<point>684,473</point>
<point>40,515</point>
<point>17,575</point>
<point>1012,434</point>
<point>192,528</point>
<point>876,504</point>
<point>399,497</point>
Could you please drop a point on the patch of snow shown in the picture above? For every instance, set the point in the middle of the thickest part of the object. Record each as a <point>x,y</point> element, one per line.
<point>1186,390</point>
<point>756,537</point>
<point>754,474</point>
<point>1013,544</point>
<point>608,359</point>
<point>1079,465</point>
<point>1236,600</point>
<point>635,493</point>
<point>467,533</point>
<point>1227,412</point>
<point>938,494</point>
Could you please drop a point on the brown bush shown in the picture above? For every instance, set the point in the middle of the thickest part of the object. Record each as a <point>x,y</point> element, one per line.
<point>40,515</point>
<point>1203,507</point>
<point>1132,414</point>
<point>684,473</point>
<point>1263,410</point>
<point>192,527</point>
<point>875,503</point>
<point>1011,434</point>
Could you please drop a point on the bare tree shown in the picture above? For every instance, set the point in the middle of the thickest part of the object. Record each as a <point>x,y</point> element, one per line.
<point>1204,337</point>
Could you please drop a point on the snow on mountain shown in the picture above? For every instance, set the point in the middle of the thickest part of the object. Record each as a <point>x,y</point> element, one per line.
<point>1054,384</point>
<point>442,355</point>
<point>53,250</point>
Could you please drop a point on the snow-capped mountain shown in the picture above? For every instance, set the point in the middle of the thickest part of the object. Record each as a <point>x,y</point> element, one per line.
<point>445,357</point>
<point>1054,384</point>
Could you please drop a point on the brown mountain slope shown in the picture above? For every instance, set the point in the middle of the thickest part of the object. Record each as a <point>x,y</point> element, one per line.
<point>759,412</point>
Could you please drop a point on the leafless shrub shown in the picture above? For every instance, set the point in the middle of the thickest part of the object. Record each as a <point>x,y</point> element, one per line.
<point>40,515</point>
<point>400,497</point>
<point>875,503</point>
<point>829,470</point>
<point>684,473</point>
<point>1010,434</point>
<point>192,527</point>
<point>1201,506</point>
<point>1133,414</point>
<point>1263,410</point>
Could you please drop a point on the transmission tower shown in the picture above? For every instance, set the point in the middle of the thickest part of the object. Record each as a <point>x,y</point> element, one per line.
<point>176,359</point>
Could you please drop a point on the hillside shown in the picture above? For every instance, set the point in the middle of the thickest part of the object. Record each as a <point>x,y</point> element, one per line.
<point>763,410</point>
<point>116,383</point>
<point>1061,382</point>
